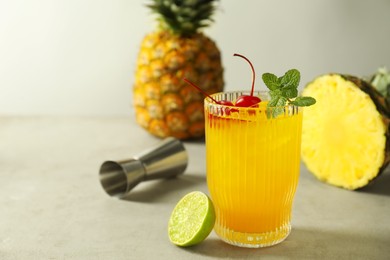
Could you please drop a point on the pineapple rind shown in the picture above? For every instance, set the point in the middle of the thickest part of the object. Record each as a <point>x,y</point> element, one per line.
<point>344,134</point>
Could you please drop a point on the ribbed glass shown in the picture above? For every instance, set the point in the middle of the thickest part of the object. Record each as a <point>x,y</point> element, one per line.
<point>252,169</point>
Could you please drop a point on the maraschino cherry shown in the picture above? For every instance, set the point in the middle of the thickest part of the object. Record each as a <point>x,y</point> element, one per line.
<point>225,103</point>
<point>248,100</point>
<point>242,101</point>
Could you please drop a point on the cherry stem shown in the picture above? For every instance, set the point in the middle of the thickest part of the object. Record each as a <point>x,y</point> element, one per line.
<point>253,70</point>
<point>201,90</point>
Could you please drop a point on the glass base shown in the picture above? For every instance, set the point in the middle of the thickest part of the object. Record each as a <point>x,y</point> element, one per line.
<point>253,240</point>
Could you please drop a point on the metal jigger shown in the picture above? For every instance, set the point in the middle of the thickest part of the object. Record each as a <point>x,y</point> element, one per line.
<point>166,159</point>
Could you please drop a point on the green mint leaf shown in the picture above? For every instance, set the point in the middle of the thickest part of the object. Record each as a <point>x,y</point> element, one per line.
<point>303,101</point>
<point>284,90</point>
<point>275,105</point>
<point>275,93</point>
<point>291,78</point>
<point>277,101</point>
<point>271,81</point>
<point>289,92</point>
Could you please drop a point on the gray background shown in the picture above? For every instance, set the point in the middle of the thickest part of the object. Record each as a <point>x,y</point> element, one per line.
<point>77,57</point>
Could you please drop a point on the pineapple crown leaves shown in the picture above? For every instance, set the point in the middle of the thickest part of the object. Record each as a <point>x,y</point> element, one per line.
<point>284,90</point>
<point>183,17</point>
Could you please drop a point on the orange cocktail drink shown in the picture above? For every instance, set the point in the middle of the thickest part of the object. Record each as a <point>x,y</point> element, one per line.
<point>253,158</point>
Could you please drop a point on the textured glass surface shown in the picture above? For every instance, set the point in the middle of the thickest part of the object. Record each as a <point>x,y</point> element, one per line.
<point>252,170</point>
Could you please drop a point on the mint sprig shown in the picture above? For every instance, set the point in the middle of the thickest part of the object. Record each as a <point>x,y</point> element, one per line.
<point>284,90</point>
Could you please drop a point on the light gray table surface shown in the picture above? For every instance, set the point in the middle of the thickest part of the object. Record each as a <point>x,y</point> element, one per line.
<point>53,206</point>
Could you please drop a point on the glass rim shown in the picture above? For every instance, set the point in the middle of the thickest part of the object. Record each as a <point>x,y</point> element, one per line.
<point>258,93</point>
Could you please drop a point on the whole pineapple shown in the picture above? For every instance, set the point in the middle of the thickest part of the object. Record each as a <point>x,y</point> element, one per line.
<point>164,104</point>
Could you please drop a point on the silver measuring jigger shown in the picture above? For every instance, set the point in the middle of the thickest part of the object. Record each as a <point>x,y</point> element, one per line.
<point>166,159</point>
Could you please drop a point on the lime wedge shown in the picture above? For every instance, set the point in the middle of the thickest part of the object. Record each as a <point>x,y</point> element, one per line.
<point>191,220</point>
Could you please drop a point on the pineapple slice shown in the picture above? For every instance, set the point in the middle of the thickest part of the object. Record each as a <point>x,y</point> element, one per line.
<point>345,135</point>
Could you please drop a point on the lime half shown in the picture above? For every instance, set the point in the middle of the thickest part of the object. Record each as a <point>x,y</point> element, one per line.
<point>192,219</point>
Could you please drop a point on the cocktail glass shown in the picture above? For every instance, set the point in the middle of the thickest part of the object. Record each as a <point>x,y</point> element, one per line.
<point>253,159</point>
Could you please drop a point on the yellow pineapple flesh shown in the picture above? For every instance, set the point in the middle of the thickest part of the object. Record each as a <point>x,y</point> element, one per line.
<point>345,135</point>
<point>164,104</point>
